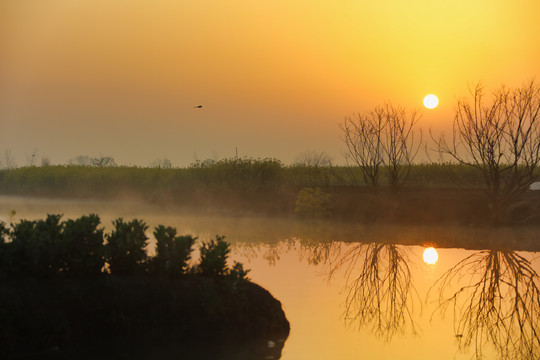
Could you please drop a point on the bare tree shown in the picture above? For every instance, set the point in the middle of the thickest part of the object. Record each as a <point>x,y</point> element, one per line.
<point>500,138</point>
<point>313,158</point>
<point>45,161</point>
<point>103,161</point>
<point>382,139</point>
<point>497,302</point>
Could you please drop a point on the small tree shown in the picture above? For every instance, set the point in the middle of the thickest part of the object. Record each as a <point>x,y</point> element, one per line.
<point>125,249</point>
<point>4,255</point>
<point>312,203</point>
<point>172,252</point>
<point>103,161</point>
<point>35,247</point>
<point>213,262</point>
<point>45,161</point>
<point>382,139</point>
<point>83,245</point>
<point>214,255</point>
<point>501,138</point>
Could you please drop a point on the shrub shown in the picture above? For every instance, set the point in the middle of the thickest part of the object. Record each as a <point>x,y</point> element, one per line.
<point>35,248</point>
<point>237,272</point>
<point>125,249</point>
<point>172,252</point>
<point>312,203</point>
<point>4,256</point>
<point>49,248</point>
<point>214,256</point>
<point>83,245</point>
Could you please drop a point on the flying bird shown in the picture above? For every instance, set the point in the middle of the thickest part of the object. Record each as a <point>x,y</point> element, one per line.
<point>197,107</point>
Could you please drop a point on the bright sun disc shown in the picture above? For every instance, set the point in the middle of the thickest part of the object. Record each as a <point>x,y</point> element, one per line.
<point>431,101</point>
<point>430,255</point>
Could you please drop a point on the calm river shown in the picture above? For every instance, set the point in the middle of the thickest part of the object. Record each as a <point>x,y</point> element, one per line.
<point>368,292</point>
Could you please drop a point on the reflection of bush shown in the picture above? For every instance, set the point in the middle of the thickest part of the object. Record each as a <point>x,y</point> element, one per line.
<point>312,203</point>
<point>500,303</point>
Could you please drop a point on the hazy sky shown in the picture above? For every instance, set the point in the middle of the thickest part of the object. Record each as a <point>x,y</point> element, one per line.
<point>275,77</point>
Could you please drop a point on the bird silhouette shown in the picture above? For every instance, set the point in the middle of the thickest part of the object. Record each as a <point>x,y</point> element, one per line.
<point>197,107</point>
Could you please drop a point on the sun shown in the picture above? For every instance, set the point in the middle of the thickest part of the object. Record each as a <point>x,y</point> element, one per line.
<point>430,255</point>
<point>431,101</point>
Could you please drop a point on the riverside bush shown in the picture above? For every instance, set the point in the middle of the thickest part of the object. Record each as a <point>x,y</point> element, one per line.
<point>77,309</point>
<point>214,256</point>
<point>4,258</point>
<point>35,247</point>
<point>126,247</point>
<point>76,248</point>
<point>83,245</point>
<point>312,203</point>
<point>172,252</point>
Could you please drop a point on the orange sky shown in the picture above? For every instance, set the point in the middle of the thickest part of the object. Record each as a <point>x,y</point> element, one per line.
<point>121,77</point>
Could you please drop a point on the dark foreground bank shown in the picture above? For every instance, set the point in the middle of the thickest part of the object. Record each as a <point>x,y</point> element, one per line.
<point>194,317</point>
<point>69,290</point>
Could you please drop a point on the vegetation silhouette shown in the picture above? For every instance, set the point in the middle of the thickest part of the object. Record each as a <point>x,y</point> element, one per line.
<point>382,140</point>
<point>66,292</point>
<point>500,138</point>
<point>498,303</point>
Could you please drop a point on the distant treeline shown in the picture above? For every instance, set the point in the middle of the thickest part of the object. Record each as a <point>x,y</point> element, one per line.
<point>229,174</point>
<point>431,192</point>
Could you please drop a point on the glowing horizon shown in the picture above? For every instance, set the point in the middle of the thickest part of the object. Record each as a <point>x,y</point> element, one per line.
<point>274,78</point>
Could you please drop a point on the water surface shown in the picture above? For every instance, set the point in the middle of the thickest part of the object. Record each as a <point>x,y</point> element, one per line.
<point>356,291</point>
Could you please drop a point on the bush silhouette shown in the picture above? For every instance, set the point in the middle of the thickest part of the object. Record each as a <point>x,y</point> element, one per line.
<point>35,247</point>
<point>172,252</point>
<point>125,249</point>
<point>214,256</point>
<point>83,246</point>
<point>312,203</point>
<point>4,255</point>
<point>76,248</point>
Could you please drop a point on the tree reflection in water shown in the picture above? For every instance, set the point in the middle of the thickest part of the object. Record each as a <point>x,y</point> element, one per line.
<point>499,305</point>
<point>379,289</point>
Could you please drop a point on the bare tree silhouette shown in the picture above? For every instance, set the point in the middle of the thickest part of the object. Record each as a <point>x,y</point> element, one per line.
<point>382,140</point>
<point>499,303</point>
<point>379,288</point>
<point>500,138</point>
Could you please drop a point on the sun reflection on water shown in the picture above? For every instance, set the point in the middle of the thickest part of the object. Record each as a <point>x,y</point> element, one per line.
<point>430,256</point>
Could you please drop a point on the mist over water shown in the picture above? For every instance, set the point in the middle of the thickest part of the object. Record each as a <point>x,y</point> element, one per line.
<point>353,291</point>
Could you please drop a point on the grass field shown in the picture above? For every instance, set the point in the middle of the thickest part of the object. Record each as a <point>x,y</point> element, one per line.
<point>431,192</point>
